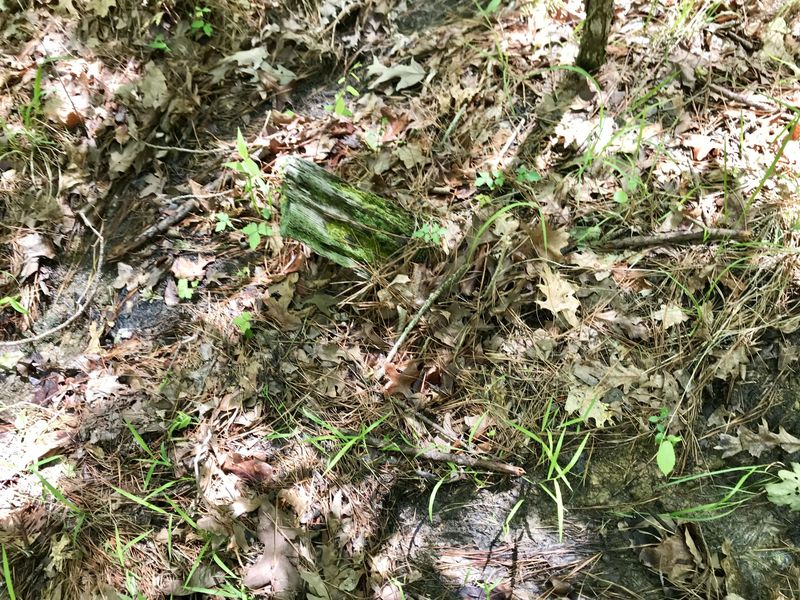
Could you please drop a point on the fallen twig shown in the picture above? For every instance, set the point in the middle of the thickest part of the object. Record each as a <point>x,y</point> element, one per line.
<point>756,103</point>
<point>456,459</point>
<point>160,227</point>
<point>676,237</point>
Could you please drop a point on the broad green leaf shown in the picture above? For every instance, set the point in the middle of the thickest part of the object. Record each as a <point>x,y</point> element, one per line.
<point>241,145</point>
<point>250,167</point>
<point>666,457</point>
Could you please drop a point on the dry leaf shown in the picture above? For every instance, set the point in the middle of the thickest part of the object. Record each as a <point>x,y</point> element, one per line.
<point>33,247</point>
<point>549,243</point>
<point>408,75</point>
<point>585,401</point>
<point>185,267</point>
<point>671,557</point>
<point>277,567</point>
<point>559,296</point>
<point>249,469</point>
<point>400,379</point>
<point>757,442</point>
<point>730,363</point>
<point>153,87</point>
<point>669,315</point>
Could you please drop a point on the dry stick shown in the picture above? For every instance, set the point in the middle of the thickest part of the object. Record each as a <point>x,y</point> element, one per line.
<point>458,274</point>
<point>676,237</point>
<point>161,226</point>
<point>87,299</point>
<point>456,459</point>
<point>741,98</point>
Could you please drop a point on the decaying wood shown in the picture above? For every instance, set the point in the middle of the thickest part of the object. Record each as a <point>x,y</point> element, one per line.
<point>347,225</point>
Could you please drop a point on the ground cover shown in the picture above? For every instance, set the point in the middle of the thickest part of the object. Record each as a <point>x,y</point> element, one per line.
<point>597,400</point>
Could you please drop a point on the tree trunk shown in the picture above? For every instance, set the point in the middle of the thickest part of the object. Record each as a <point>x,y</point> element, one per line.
<point>351,227</point>
<point>592,52</point>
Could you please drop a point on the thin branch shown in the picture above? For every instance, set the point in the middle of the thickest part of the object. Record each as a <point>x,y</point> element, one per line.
<point>672,238</point>
<point>457,459</point>
<point>160,227</point>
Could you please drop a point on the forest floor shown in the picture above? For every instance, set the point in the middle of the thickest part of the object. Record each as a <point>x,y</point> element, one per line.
<point>604,405</point>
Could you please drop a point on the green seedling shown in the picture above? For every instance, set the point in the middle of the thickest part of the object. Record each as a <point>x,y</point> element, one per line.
<point>243,323</point>
<point>372,137</point>
<point>492,7</point>
<point>254,182</point>
<point>120,549</point>
<point>551,446</point>
<point>339,106</point>
<point>54,491</point>
<point>154,460</point>
<point>665,456</point>
<point>13,302</point>
<point>510,517</point>
<point>348,440</point>
<point>254,233</point>
<point>186,288</point>
<point>734,497</point>
<point>430,233</point>
<point>199,22</point>
<point>179,422</point>
<point>34,107</point>
<point>223,222</point>
<point>432,499</point>
<point>494,180</point>
<point>525,175</point>
<point>160,44</point>
<point>7,575</point>
<point>150,295</point>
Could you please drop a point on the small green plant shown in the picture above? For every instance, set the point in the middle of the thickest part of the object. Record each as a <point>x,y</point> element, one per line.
<point>551,446</point>
<point>347,440</point>
<point>186,288</point>
<point>432,498</point>
<point>254,233</point>
<point>526,175</point>
<point>243,323</point>
<point>149,295</point>
<point>339,106</point>
<point>160,44</point>
<point>13,302</point>
<point>179,422</point>
<point>430,233</point>
<point>510,517</point>
<point>7,576</point>
<point>487,11</point>
<point>665,456</point>
<point>200,23</point>
<point>34,107</point>
<point>372,137</point>
<point>223,222</point>
<point>254,183</point>
<point>153,460</point>
<point>120,551</point>
<point>77,512</point>
<point>494,180</point>
<point>734,497</point>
